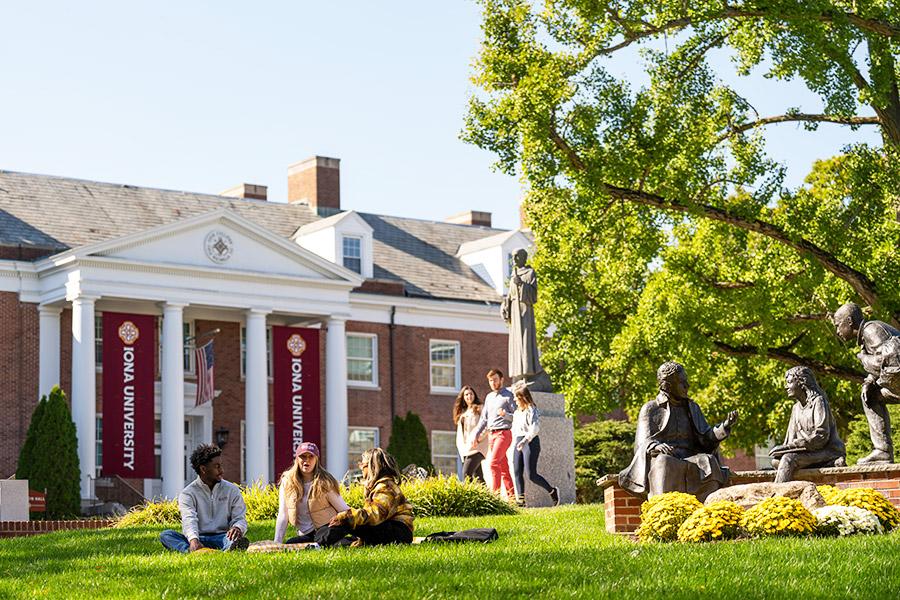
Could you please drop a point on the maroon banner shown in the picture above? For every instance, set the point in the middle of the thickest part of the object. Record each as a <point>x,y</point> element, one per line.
<point>296,390</point>
<point>129,355</point>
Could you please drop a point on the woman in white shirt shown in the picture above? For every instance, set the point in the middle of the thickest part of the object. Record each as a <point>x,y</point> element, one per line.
<point>466,414</point>
<point>308,497</point>
<point>527,446</point>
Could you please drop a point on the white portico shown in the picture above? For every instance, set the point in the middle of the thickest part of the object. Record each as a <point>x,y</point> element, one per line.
<point>217,263</point>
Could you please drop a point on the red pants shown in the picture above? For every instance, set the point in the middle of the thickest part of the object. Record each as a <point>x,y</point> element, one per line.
<point>498,444</point>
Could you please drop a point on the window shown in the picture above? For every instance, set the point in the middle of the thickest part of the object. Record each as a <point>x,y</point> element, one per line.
<point>99,445</point>
<point>443,452</point>
<point>98,340</point>
<point>362,359</point>
<point>188,346</point>
<point>352,253</point>
<point>444,366</point>
<point>244,452</point>
<point>360,440</point>
<point>244,351</point>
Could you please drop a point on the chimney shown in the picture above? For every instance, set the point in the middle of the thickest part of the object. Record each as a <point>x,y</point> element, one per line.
<point>247,190</point>
<point>317,182</point>
<point>471,217</point>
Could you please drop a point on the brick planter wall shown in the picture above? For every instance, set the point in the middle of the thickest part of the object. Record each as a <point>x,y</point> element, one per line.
<point>623,509</point>
<point>22,528</point>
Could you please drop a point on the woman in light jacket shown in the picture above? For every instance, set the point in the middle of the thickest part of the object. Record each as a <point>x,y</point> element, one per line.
<point>466,414</point>
<point>308,496</point>
<point>527,446</point>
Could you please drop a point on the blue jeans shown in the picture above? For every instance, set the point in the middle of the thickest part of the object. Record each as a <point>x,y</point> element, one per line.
<point>175,540</point>
<point>525,462</point>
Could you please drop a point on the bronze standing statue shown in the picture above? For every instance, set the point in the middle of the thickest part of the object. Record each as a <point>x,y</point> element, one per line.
<point>812,438</point>
<point>518,312</point>
<point>880,345</point>
<point>675,449</point>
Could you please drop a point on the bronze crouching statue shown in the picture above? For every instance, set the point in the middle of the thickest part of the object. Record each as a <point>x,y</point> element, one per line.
<point>812,439</point>
<point>675,449</point>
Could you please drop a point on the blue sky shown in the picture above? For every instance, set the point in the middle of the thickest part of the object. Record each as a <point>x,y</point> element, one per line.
<point>202,95</point>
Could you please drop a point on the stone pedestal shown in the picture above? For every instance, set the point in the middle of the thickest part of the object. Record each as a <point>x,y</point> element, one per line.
<point>13,500</point>
<point>557,461</point>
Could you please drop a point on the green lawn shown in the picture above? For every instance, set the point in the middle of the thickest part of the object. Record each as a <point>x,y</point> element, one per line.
<point>557,552</point>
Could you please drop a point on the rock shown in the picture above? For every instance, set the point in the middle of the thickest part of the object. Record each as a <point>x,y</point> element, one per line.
<point>751,494</point>
<point>107,509</point>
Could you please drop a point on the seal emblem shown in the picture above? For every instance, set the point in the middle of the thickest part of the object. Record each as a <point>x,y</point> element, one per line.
<point>129,333</point>
<point>296,345</point>
<point>218,246</point>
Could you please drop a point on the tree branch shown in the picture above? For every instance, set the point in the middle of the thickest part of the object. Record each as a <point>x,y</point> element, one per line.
<point>791,319</point>
<point>806,117</point>
<point>858,280</point>
<point>788,357</point>
<point>632,35</point>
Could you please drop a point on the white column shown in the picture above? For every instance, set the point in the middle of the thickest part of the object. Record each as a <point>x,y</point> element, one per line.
<point>84,388</point>
<point>172,425</point>
<point>336,433</point>
<point>256,400</point>
<point>48,348</point>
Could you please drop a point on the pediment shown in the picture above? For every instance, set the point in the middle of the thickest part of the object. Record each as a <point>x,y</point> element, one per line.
<point>220,239</point>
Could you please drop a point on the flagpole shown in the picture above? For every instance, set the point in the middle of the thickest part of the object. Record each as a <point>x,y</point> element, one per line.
<point>192,340</point>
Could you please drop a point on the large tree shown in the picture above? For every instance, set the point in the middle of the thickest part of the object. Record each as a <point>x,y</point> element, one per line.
<point>665,230</point>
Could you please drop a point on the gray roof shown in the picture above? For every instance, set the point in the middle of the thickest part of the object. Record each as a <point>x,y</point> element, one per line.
<point>56,213</point>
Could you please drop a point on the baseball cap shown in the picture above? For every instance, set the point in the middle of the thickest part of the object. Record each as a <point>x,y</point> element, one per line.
<point>307,448</point>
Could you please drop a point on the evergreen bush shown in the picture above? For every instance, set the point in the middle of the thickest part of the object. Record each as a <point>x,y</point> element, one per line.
<point>409,442</point>
<point>859,443</point>
<point>601,447</point>
<point>51,461</point>
<point>261,501</point>
<point>25,465</point>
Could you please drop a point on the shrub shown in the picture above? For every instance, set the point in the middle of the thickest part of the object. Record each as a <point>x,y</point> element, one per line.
<point>828,493</point>
<point>409,442</point>
<point>152,513</point>
<point>779,516</point>
<point>601,447</point>
<point>50,462</point>
<point>662,515</point>
<point>719,521</point>
<point>872,501</point>
<point>432,497</point>
<point>261,501</point>
<point>444,496</point>
<point>846,520</point>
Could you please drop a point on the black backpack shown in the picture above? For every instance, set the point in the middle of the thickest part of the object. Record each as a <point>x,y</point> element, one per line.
<point>483,535</point>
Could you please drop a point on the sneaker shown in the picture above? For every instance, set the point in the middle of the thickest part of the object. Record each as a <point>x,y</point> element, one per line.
<point>520,501</point>
<point>554,495</point>
<point>239,545</point>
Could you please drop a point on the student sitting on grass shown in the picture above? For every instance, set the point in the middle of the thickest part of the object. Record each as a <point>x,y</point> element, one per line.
<point>308,496</point>
<point>385,518</point>
<point>212,509</point>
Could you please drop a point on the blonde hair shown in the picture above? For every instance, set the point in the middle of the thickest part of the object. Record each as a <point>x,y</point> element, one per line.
<point>322,482</point>
<point>380,465</point>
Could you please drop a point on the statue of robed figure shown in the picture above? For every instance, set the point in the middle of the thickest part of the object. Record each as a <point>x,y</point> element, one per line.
<point>675,449</point>
<point>518,312</point>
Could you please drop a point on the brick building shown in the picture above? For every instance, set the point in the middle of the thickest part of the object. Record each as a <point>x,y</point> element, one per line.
<point>406,311</point>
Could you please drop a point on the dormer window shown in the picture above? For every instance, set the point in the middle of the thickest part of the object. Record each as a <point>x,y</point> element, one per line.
<point>352,253</point>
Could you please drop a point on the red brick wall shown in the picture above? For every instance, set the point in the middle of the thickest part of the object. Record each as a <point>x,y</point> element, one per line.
<point>19,369</point>
<point>370,408</point>
<point>22,528</point>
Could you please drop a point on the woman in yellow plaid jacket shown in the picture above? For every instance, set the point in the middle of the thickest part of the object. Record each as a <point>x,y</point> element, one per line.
<point>385,518</point>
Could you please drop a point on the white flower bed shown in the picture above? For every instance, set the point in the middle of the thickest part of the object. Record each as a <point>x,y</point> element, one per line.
<point>846,520</point>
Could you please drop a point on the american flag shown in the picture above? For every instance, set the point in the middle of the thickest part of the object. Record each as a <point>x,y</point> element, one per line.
<point>205,381</point>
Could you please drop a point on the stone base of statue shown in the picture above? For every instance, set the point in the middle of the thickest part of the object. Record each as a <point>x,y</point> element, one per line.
<point>557,460</point>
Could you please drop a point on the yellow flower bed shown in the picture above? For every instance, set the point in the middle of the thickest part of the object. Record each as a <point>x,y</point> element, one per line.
<point>719,521</point>
<point>872,501</point>
<point>779,516</point>
<point>828,492</point>
<point>662,515</point>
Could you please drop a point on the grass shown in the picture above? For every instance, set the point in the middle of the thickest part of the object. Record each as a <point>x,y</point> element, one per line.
<point>560,552</point>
